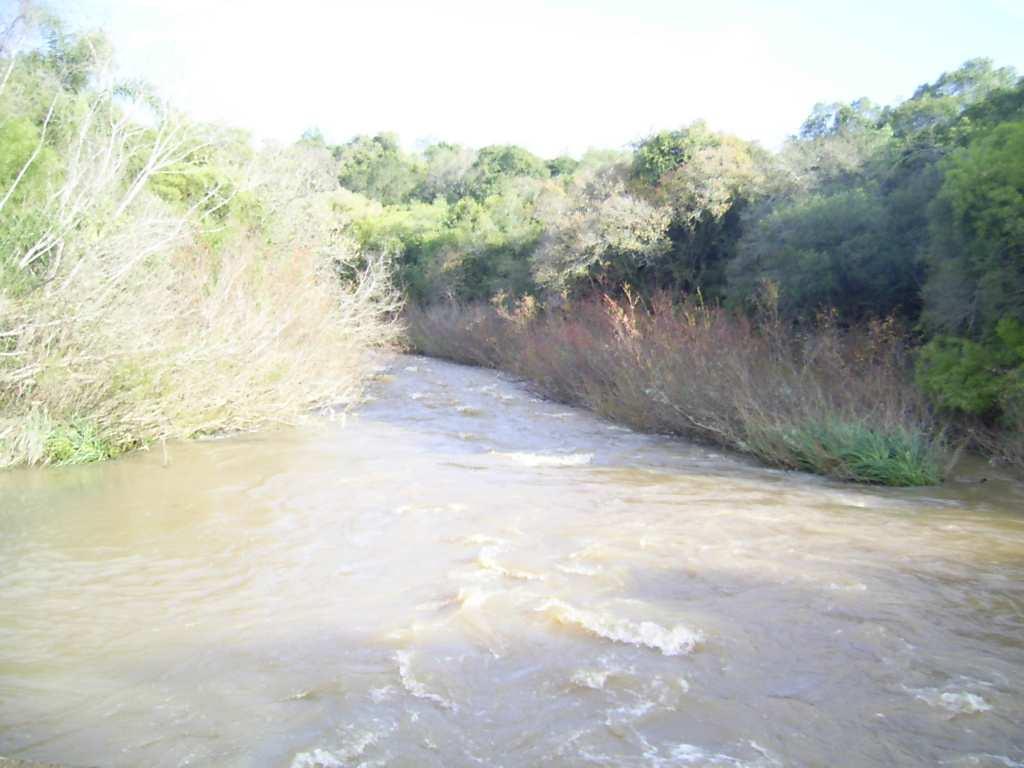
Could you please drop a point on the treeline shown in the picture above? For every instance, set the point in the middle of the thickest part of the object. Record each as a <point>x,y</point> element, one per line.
<point>912,213</point>
<point>158,277</point>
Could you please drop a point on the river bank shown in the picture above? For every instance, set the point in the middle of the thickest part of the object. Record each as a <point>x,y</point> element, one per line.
<point>838,403</point>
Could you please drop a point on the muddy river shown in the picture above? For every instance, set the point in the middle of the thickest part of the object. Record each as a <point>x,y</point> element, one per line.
<point>462,574</point>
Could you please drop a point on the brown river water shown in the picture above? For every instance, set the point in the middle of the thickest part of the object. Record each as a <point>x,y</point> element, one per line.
<point>462,574</point>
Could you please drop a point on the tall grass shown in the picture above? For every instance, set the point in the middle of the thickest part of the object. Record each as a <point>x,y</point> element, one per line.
<point>831,402</point>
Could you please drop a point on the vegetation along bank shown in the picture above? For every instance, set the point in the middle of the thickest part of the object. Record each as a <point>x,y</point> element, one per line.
<point>851,304</point>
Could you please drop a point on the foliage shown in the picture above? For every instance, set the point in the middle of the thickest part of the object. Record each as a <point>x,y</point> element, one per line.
<point>707,196</point>
<point>854,450</point>
<point>977,236</point>
<point>564,165</point>
<point>600,236</point>
<point>827,251</point>
<point>910,211</point>
<point>445,175</point>
<point>835,119</point>
<point>468,250</point>
<point>934,114</point>
<point>665,151</point>
<point>495,164</point>
<point>377,167</point>
<point>978,379</point>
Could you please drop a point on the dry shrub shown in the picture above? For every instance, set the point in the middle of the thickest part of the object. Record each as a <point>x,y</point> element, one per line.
<point>1004,445</point>
<point>833,402</point>
<point>140,331</point>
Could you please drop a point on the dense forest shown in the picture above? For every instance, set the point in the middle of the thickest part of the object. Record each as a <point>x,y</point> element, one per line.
<point>142,258</point>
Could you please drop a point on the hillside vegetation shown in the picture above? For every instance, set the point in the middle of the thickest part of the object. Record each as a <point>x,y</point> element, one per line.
<point>908,217</point>
<point>851,304</point>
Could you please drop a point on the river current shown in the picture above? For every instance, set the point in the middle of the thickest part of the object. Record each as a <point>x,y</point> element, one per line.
<point>463,574</point>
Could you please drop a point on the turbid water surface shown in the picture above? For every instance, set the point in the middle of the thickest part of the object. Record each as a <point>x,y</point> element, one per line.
<point>462,574</point>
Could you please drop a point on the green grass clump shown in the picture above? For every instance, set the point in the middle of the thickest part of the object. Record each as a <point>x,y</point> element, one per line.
<point>77,442</point>
<point>853,450</point>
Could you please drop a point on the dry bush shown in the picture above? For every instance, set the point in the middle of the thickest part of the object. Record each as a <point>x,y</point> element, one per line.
<point>136,329</point>
<point>832,402</point>
<point>1004,445</point>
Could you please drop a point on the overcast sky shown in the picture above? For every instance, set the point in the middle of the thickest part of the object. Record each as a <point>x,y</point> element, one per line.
<point>553,76</point>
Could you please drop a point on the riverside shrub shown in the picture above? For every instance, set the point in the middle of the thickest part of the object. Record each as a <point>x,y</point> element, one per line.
<point>161,280</point>
<point>834,403</point>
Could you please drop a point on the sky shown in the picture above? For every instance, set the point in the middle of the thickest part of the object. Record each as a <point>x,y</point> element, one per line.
<point>555,77</point>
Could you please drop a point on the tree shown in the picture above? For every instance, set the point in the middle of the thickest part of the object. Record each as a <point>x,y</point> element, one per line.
<point>985,380</point>
<point>838,118</point>
<point>933,114</point>
<point>563,165</point>
<point>600,236</point>
<point>826,251</point>
<point>1001,105</point>
<point>976,258</point>
<point>839,146</point>
<point>665,151</point>
<point>376,166</point>
<point>495,164</point>
<point>445,173</point>
<point>706,196</point>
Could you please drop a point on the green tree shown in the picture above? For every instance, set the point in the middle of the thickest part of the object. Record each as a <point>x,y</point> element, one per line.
<point>985,380</point>
<point>976,257</point>
<point>445,172</point>
<point>665,151</point>
<point>838,118</point>
<point>496,164</point>
<point>974,295</point>
<point>376,166</point>
<point>1001,105</point>
<point>933,112</point>
<point>706,196</point>
<point>563,166</point>
<point>826,251</point>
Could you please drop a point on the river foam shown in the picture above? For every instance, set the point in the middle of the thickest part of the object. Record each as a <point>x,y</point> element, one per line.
<point>415,686</point>
<point>487,559</point>
<point>674,641</point>
<point>527,459</point>
<point>957,702</point>
<point>689,754</point>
